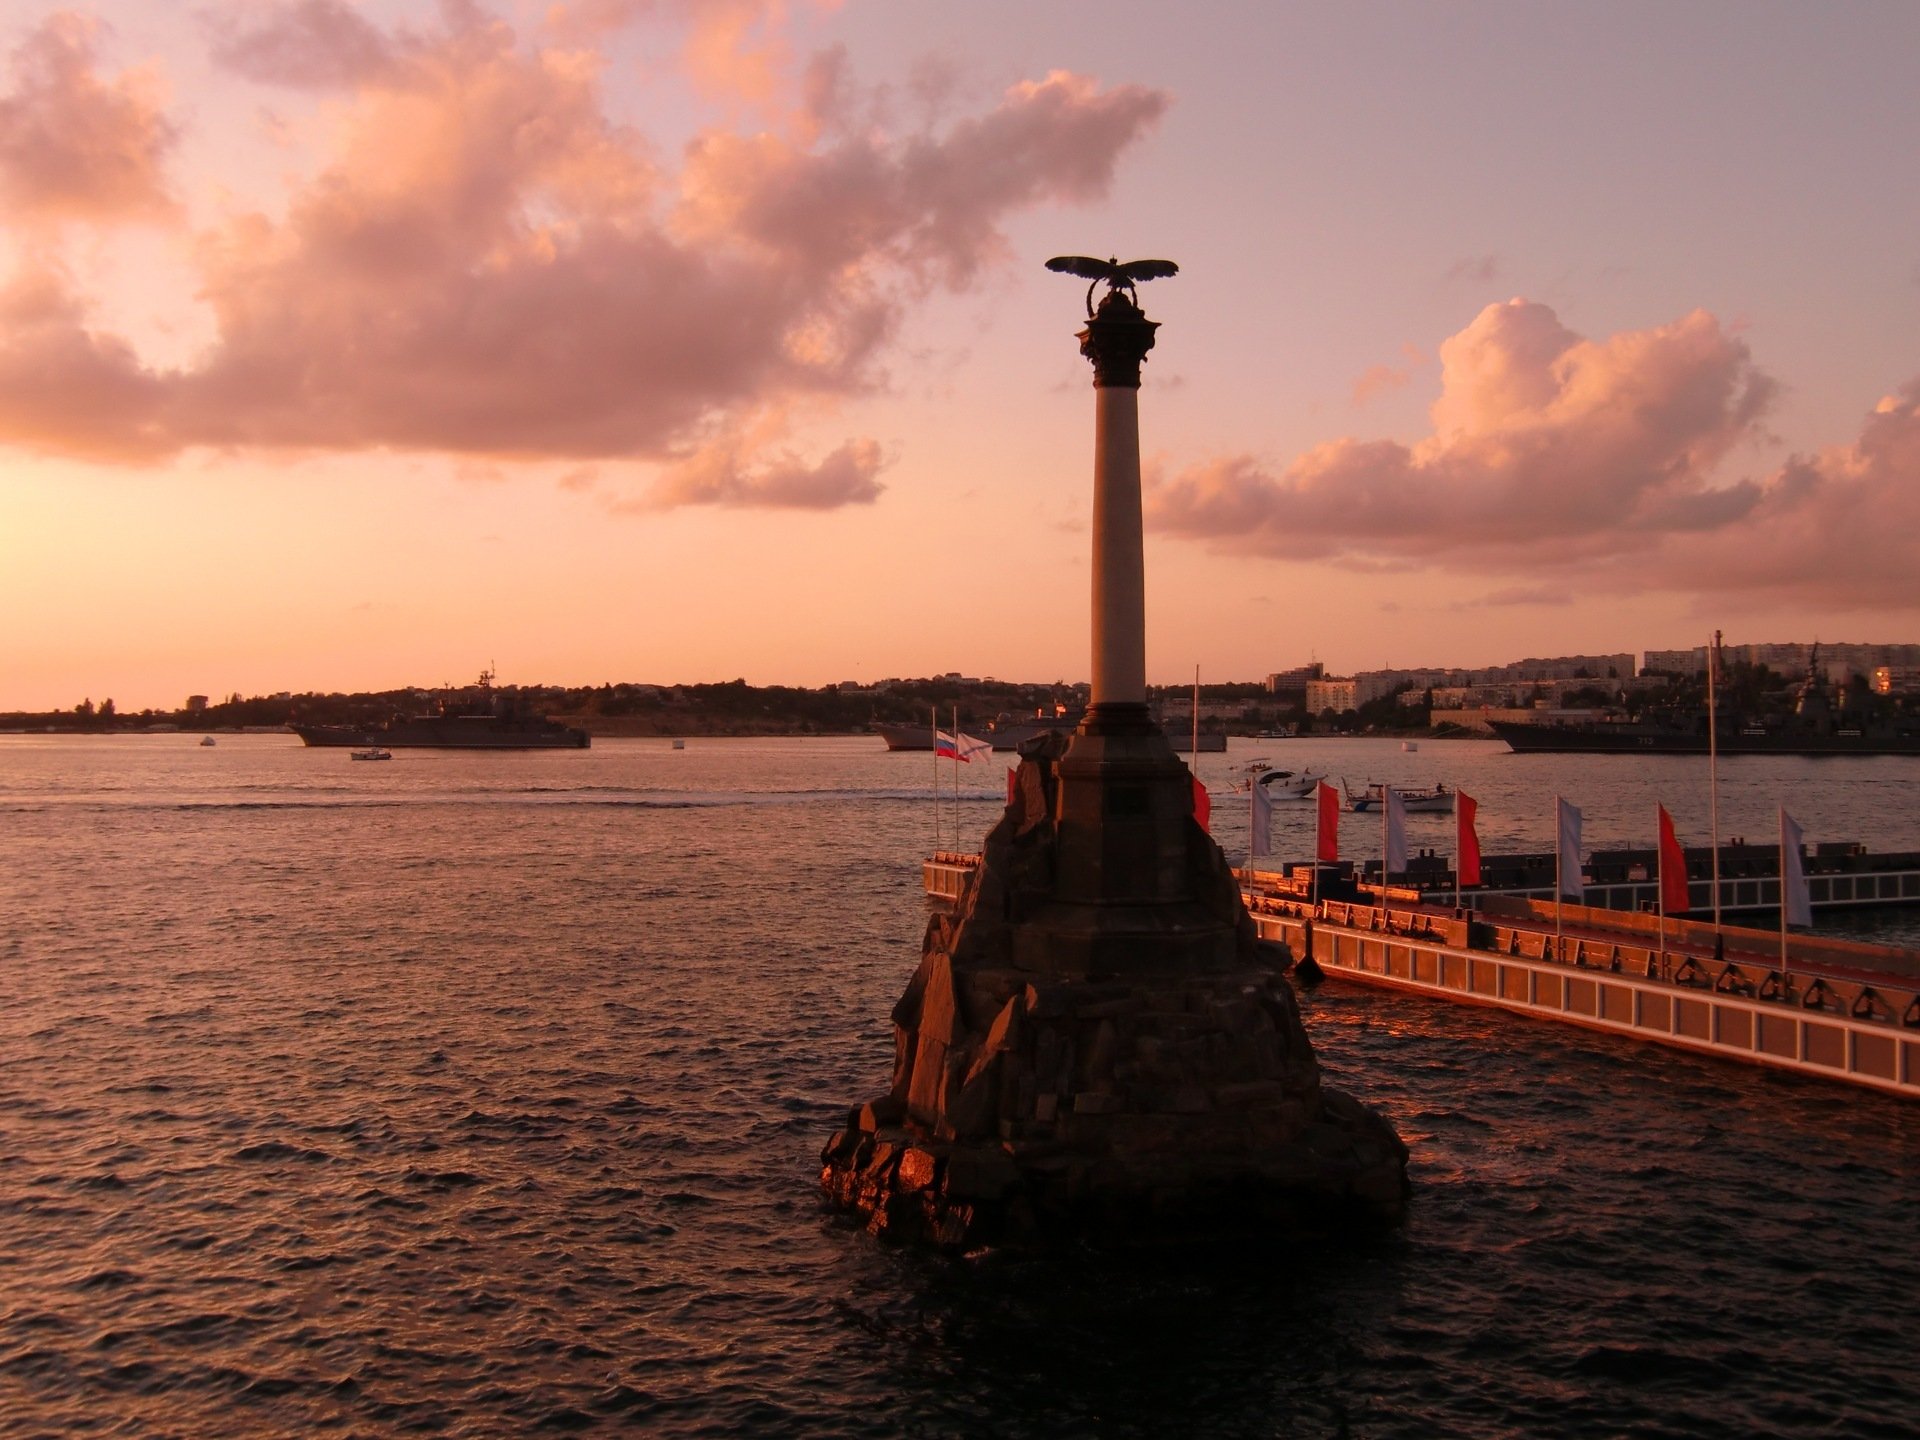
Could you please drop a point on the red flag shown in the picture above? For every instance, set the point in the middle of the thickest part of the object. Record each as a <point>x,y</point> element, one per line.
<point>1202,805</point>
<point>1468,840</point>
<point>1328,799</point>
<point>1674,899</point>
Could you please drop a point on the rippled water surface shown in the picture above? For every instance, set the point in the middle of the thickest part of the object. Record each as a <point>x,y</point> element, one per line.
<point>483,1094</point>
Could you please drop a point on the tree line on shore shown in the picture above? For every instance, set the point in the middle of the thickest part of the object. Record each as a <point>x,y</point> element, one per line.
<point>734,707</point>
<point>731,707</point>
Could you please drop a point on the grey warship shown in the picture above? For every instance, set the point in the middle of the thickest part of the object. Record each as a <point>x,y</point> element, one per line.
<point>481,718</point>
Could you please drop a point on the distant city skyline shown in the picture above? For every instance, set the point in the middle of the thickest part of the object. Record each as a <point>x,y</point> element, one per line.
<point>1839,659</point>
<point>356,344</point>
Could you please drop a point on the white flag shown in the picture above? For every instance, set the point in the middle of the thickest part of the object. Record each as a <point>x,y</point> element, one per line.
<point>1396,810</point>
<point>1260,842</point>
<point>1793,873</point>
<point>1571,886</point>
<point>969,748</point>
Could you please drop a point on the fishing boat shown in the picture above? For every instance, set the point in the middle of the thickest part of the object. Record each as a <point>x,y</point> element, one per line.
<point>371,752</point>
<point>1289,784</point>
<point>1435,799</point>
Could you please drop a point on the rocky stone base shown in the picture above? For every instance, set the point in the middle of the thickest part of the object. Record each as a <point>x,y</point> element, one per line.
<point>1123,1114</point>
<point>1153,1087</point>
<point>959,1197</point>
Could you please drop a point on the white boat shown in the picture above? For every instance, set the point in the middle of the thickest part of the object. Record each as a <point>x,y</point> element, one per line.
<point>1434,799</point>
<point>1290,784</point>
<point>1409,744</point>
<point>372,752</point>
<point>207,740</point>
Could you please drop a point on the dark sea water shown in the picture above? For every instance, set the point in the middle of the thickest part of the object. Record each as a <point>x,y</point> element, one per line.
<point>483,1095</point>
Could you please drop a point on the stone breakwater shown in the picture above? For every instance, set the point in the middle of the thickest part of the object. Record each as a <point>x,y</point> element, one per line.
<point>1172,1101</point>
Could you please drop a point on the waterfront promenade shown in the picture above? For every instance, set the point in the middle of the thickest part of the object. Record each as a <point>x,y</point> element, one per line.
<point>1839,1010</point>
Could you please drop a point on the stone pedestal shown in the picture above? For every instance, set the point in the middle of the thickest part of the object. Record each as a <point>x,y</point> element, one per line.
<point>1067,1068</point>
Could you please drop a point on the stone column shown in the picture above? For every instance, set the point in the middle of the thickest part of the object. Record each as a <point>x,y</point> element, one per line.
<point>1116,340</point>
<point>1125,797</point>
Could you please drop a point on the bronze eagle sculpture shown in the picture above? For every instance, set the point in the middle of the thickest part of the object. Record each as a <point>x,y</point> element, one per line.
<point>1117,276</point>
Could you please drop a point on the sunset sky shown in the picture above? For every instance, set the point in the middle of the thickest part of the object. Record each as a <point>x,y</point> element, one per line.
<point>348,344</point>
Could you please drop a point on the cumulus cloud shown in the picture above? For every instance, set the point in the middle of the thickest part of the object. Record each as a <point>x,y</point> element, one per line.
<point>932,204</point>
<point>1538,436</point>
<point>1838,526</point>
<point>74,145</point>
<point>1582,467</point>
<point>66,388</point>
<point>487,264</point>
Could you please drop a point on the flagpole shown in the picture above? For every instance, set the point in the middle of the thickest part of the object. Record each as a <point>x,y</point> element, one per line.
<point>1559,886</point>
<point>1457,823</point>
<point>956,775</point>
<point>1319,844</point>
<point>1660,884</point>
<point>1386,841</point>
<point>1253,784</point>
<point>1783,897</point>
<point>933,712</point>
<point>1194,754</point>
<point>1713,772</point>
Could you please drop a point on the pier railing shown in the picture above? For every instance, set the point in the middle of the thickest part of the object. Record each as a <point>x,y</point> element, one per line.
<point>1839,1010</point>
<point>1831,1022</point>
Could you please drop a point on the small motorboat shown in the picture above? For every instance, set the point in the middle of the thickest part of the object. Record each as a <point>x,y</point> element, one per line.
<point>1435,799</point>
<point>372,752</point>
<point>1289,784</point>
<point>208,740</point>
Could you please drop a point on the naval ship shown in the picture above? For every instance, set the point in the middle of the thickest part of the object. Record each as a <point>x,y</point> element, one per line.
<point>478,719</point>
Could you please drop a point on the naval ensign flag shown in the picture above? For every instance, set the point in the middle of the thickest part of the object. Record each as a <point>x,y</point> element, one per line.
<point>1571,886</point>
<point>1796,902</point>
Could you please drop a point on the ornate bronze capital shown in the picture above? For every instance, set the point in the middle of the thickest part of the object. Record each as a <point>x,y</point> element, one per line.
<point>1116,340</point>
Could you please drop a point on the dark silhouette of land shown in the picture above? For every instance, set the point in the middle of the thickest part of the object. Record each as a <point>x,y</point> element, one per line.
<point>731,707</point>
<point>734,707</point>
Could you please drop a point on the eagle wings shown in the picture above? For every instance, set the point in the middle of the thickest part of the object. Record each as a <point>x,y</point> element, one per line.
<point>1117,275</point>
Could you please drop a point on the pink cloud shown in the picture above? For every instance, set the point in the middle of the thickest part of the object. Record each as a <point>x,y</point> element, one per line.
<point>488,265</point>
<point>1475,269</point>
<point>1569,465</point>
<point>1544,444</point>
<point>724,475</point>
<point>1378,380</point>
<point>1836,527</point>
<point>930,204</point>
<point>64,387</point>
<point>306,43</point>
<point>74,146</point>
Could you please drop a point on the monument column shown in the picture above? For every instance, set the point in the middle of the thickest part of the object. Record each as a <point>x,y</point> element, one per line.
<point>1126,800</point>
<point>1095,1046</point>
<point>1116,340</point>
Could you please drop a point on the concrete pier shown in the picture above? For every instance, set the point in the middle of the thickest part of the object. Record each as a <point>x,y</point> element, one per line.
<point>1841,1010</point>
<point>1857,1028</point>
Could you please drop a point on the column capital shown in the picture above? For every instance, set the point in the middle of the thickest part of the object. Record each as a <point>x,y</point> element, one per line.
<point>1116,340</point>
